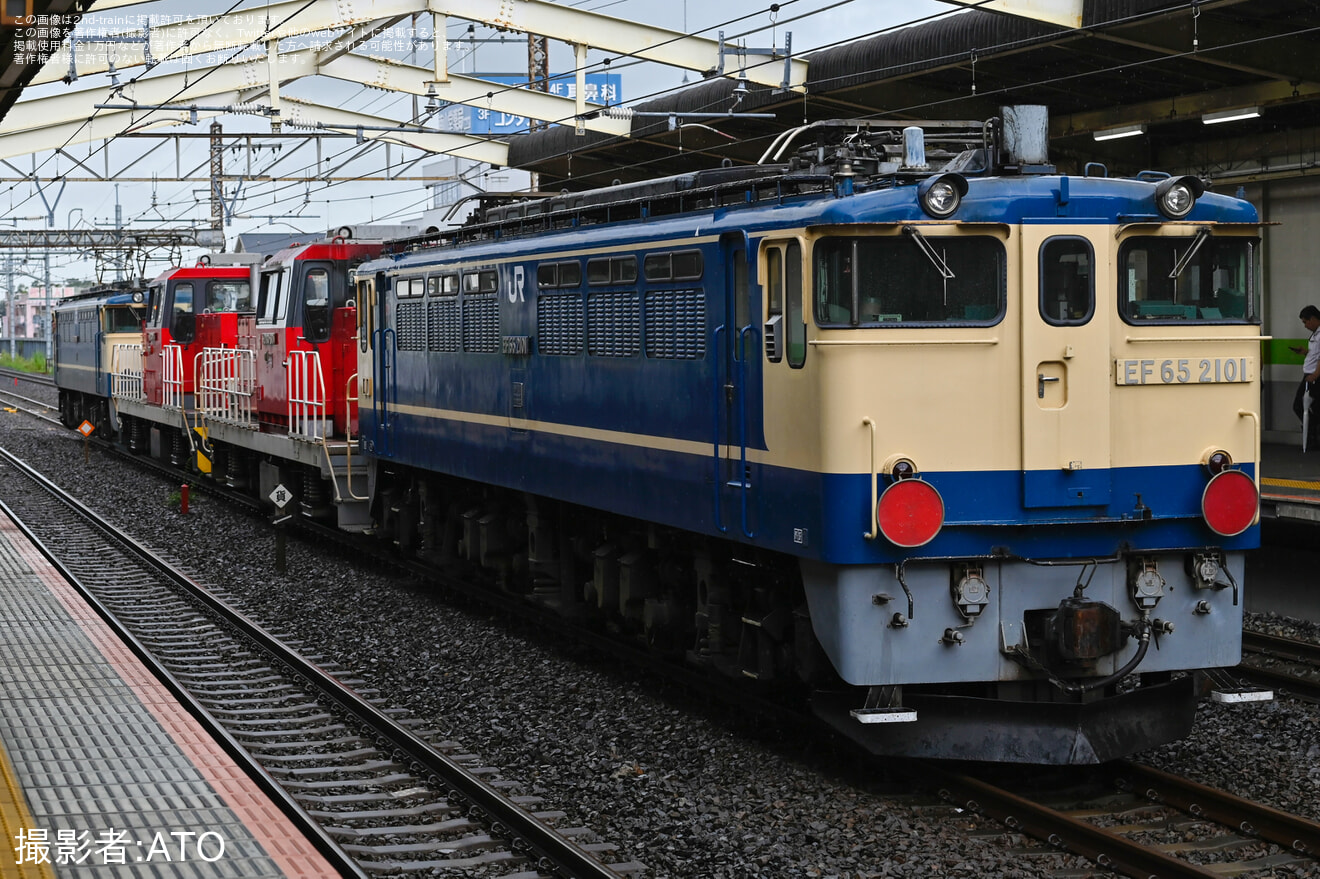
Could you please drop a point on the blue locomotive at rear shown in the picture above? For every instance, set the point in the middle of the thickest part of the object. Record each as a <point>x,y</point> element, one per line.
<point>92,336</point>
<point>970,452</point>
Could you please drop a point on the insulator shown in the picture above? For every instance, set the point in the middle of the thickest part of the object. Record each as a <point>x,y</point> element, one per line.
<point>617,112</point>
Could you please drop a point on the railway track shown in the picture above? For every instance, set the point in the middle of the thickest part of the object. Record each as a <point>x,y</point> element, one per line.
<point>1282,663</point>
<point>1149,824</point>
<point>30,405</point>
<point>383,796</point>
<point>12,376</point>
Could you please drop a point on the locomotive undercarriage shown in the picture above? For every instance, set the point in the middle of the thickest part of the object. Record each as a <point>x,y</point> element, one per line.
<point>734,610</point>
<point>77,407</point>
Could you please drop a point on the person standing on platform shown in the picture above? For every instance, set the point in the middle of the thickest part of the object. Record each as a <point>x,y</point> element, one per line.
<point>1310,376</point>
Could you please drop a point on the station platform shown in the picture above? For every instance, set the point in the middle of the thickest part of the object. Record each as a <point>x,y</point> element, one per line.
<point>1289,482</point>
<point>103,774</point>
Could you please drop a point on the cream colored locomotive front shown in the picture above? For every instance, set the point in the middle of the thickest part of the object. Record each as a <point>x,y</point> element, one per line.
<point>1059,405</point>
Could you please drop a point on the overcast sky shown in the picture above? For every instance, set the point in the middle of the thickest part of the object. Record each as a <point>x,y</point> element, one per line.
<point>288,207</point>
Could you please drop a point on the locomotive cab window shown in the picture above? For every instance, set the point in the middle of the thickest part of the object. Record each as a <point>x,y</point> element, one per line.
<point>316,304</point>
<point>786,328</point>
<point>1067,281</point>
<point>1195,279</point>
<point>909,279</point>
<point>228,296</point>
<point>364,312</point>
<point>122,319</point>
<point>183,324</point>
<point>270,306</point>
<point>157,299</point>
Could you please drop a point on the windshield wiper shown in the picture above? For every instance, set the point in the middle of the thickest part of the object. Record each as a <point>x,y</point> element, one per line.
<point>924,246</point>
<point>1201,235</point>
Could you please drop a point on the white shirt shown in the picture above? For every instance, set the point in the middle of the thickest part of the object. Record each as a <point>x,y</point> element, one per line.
<point>1312,361</point>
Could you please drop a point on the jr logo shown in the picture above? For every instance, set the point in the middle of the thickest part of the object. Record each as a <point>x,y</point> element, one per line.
<point>516,291</point>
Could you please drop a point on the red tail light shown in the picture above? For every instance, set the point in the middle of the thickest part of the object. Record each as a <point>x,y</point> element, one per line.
<point>910,513</point>
<point>1229,503</point>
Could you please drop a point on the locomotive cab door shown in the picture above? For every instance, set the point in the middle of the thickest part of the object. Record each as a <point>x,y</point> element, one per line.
<point>737,397</point>
<point>375,362</point>
<point>1066,314</point>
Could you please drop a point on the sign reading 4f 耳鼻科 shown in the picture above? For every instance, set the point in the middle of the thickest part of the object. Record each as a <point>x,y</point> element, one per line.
<point>1182,370</point>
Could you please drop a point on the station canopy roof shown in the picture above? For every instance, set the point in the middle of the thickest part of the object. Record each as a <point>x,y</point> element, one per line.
<point>1158,64</point>
<point>14,76</point>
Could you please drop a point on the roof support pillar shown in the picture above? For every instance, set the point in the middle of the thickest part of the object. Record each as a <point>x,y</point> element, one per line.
<point>580,75</point>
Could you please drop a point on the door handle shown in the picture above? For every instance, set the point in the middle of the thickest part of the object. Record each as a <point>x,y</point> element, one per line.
<point>1041,378</point>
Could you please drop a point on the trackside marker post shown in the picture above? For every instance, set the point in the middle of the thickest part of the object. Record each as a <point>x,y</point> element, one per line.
<point>280,497</point>
<point>86,429</point>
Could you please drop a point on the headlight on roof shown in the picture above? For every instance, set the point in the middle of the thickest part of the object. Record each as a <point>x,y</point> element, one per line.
<point>1176,196</point>
<point>941,195</point>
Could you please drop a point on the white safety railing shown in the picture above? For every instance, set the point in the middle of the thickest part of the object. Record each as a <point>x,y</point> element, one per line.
<point>226,381</point>
<point>172,376</point>
<point>306,386</point>
<point>126,372</point>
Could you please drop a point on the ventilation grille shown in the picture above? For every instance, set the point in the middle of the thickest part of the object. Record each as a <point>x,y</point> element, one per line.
<point>559,324</point>
<point>481,324</point>
<point>676,325</point>
<point>614,322</point>
<point>444,324</point>
<point>411,327</point>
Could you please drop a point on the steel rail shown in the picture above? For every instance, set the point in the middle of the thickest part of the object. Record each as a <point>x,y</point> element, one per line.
<point>23,402</point>
<point>1105,848</point>
<point>1280,681</point>
<point>565,857</point>
<point>1282,648</point>
<point>38,378</point>
<point>1290,831</point>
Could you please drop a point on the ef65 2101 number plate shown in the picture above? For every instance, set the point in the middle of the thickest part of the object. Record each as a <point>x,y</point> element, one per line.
<point>1182,370</point>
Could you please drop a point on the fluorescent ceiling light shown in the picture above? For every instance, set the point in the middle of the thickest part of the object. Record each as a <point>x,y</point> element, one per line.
<point>1122,131</point>
<point>1231,115</point>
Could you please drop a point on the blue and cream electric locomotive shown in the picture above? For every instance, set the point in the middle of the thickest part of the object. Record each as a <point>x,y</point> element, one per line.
<point>967,445</point>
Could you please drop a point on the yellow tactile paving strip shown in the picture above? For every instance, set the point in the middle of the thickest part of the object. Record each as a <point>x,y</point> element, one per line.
<point>14,816</point>
<point>1289,483</point>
